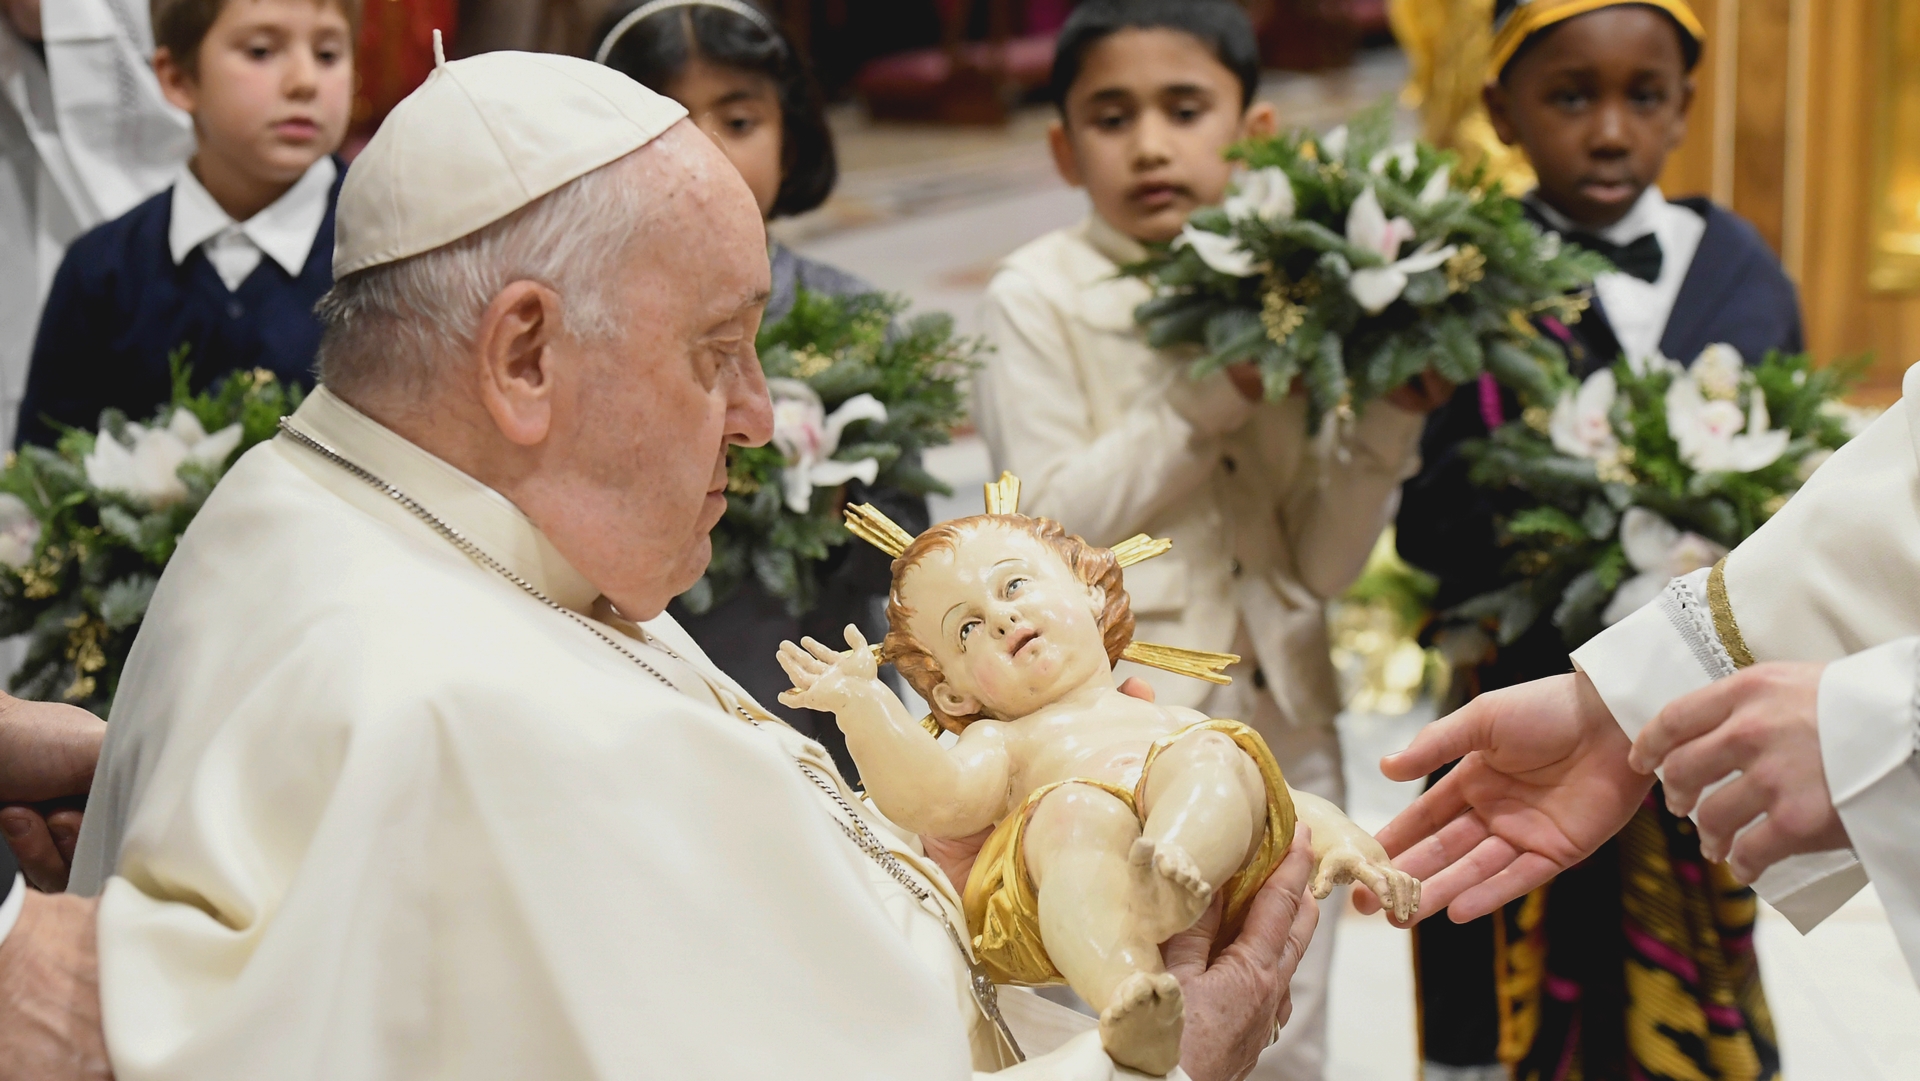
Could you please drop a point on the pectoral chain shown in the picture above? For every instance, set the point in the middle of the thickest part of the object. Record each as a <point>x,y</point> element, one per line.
<point>980,985</point>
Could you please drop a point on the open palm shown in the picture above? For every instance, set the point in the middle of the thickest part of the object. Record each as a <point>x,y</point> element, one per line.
<point>1542,782</point>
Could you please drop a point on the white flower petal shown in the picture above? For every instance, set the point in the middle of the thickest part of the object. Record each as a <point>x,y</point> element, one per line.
<point>1377,287</point>
<point>832,474</point>
<point>1692,552</point>
<point>19,531</point>
<point>109,466</point>
<point>1333,145</point>
<point>857,408</point>
<point>1634,594</point>
<point>1647,539</point>
<point>1719,371</point>
<point>1437,187</point>
<point>797,484</point>
<point>1367,226</point>
<point>1402,154</point>
<point>1424,259</point>
<point>212,450</point>
<point>186,427</point>
<point>1222,253</point>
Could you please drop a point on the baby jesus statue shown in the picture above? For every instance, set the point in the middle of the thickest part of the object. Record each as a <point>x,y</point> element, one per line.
<point>1117,822</point>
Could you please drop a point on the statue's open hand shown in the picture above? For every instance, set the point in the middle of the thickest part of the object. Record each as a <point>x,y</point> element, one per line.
<point>825,679</point>
<point>1361,859</point>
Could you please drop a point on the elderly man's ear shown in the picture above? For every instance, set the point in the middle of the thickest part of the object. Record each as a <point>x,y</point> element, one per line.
<point>515,354</point>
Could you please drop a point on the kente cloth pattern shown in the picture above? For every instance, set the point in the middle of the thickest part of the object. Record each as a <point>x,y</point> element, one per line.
<point>1003,908</point>
<point>1669,992</point>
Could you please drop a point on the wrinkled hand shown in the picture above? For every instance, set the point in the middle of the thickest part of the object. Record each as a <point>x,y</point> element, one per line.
<point>1763,723</point>
<point>1422,394</point>
<point>47,752</point>
<point>1363,862</point>
<point>955,855</point>
<point>1542,782</point>
<point>825,679</point>
<point>50,994</point>
<point>1237,1001</point>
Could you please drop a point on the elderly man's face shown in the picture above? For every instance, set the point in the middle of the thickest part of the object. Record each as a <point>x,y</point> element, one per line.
<point>644,433</point>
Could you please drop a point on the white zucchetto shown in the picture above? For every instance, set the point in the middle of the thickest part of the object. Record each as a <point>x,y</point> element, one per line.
<point>481,138</point>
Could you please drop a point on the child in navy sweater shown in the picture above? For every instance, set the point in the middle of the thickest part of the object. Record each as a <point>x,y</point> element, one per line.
<point>230,260</point>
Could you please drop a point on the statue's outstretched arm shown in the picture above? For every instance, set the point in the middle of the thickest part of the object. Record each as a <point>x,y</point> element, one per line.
<point>919,784</point>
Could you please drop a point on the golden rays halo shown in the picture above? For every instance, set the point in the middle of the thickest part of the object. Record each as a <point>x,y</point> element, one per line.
<point>1003,497</point>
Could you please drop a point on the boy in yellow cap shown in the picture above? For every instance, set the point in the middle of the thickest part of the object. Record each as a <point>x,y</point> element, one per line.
<point>1640,962</point>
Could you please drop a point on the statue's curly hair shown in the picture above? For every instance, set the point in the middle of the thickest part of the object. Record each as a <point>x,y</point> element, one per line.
<point>1092,565</point>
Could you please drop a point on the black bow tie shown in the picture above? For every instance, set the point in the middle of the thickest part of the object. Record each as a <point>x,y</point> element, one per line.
<point>1642,258</point>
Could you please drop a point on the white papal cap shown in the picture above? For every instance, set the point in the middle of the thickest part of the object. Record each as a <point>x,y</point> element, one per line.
<point>481,138</point>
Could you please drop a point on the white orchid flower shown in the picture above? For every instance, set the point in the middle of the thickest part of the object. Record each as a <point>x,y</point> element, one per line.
<point>1223,253</point>
<point>148,469</point>
<point>1333,145</point>
<point>1262,194</point>
<point>1402,154</point>
<point>1582,425</point>
<point>1715,437</point>
<point>19,532</point>
<point>1369,230</point>
<point>1658,550</point>
<point>808,437</point>
<point>1438,186</point>
<point>1719,371</point>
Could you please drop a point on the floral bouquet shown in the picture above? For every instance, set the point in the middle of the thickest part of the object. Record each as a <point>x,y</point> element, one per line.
<point>1353,263</point>
<point>854,399</point>
<point>1645,473</point>
<point>86,529</point>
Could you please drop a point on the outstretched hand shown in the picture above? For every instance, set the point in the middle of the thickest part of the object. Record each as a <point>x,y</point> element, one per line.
<point>824,678</point>
<point>1542,782</point>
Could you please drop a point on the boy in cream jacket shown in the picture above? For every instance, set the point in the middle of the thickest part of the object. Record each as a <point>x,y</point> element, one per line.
<point>1111,438</point>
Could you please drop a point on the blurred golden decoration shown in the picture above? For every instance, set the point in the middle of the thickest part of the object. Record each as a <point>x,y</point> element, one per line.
<point>1464,267</point>
<point>1448,43</point>
<point>1375,628</point>
<point>1896,197</point>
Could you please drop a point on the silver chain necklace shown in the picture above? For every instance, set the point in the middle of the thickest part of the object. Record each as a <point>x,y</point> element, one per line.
<point>980,984</point>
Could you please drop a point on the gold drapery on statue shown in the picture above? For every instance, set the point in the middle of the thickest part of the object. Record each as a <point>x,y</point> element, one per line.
<point>1448,43</point>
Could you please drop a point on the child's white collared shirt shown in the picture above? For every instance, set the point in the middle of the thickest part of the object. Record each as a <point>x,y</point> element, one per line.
<point>285,230</point>
<point>1638,310</point>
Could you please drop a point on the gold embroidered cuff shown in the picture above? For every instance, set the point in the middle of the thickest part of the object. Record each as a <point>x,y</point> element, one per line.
<point>1723,622</point>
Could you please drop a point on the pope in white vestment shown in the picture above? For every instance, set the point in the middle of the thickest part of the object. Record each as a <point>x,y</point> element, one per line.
<point>391,788</point>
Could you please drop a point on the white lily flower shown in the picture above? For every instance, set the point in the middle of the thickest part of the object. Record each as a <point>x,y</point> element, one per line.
<point>808,437</point>
<point>1402,154</point>
<point>1582,426</point>
<point>19,532</point>
<point>1438,186</point>
<point>1369,230</point>
<point>1223,253</point>
<point>1719,371</point>
<point>1660,552</point>
<point>149,468</point>
<point>1714,437</point>
<point>1263,194</point>
<point>1333,145</point>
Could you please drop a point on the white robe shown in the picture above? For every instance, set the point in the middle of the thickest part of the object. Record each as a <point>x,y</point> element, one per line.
<point>368,810</point>
<point>85,136</point>
<point>1834,577</point>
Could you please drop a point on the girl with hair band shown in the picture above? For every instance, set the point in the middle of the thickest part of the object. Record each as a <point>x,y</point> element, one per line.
<point>748,88</point>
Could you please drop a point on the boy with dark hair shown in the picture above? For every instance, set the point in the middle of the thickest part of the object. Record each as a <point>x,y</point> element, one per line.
<point>1111,438</point>
<point>1597,93</point>
<point>230,261</point>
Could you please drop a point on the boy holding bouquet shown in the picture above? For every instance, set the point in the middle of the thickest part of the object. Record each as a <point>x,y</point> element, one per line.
<point>1597,95</point>
<point>1111,438</point>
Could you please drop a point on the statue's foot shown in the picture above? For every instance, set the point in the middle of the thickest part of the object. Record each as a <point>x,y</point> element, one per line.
<point>1141,1027</point>
<point>1168,892</point>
